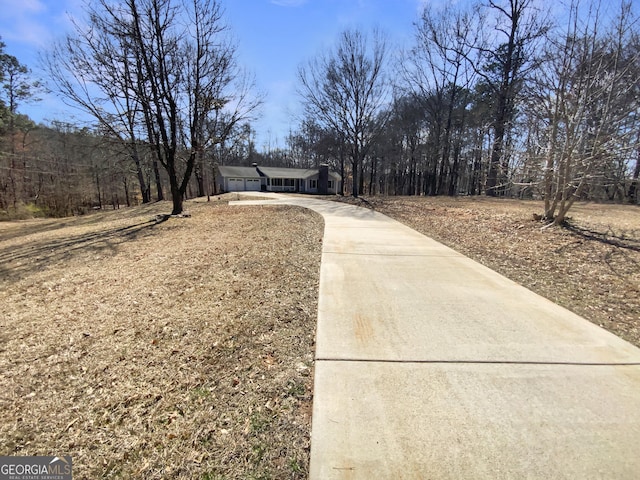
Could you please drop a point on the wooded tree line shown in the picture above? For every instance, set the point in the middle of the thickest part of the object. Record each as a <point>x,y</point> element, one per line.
<point>496,98</point>
<point>492,99</point>
<point>62,169</point>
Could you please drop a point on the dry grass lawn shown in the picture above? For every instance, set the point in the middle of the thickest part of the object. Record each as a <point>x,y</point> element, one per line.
<point>181,349</point>
<point>184,349</point>
<point>592,267</point>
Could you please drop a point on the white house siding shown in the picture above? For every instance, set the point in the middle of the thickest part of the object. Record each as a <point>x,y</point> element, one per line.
<point>238,179</point>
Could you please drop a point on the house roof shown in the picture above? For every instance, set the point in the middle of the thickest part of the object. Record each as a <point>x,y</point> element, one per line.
<point>270,172</point>
<point>243,172</point>
<point>274,172</point>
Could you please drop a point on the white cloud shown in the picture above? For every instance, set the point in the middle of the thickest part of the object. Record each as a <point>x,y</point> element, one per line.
<point>36,23</point>
<point>21,21</point>
<point>13,9</point>
<point>30,33</point>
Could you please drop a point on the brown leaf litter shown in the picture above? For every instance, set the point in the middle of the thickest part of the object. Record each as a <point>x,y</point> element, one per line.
<point>181,349</point>
<point>184,348</point>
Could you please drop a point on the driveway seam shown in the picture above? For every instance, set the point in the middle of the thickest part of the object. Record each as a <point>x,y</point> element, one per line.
<point>479,362</point>
<point>391,254</point>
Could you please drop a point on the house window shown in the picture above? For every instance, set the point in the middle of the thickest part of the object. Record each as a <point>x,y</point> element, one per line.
<point>275,182</point>
<point>313,184</point>
<point>331,184</point>
<point>289,182</point>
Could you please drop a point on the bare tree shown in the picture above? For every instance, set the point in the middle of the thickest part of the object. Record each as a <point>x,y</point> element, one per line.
<point>346,90</point>
<point>588,104</point>
<point>94,70</point>
<point>169,67</point>
<point>229,113</point>
<point>520,26</point>
<point>438,72</point>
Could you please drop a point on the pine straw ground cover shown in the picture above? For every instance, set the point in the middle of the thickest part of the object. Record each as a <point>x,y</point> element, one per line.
<point>591,267</point>
<point>180,349</point>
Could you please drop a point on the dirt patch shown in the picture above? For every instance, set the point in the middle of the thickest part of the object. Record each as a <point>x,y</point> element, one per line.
<point>592,267</point>
<point>179,349</point>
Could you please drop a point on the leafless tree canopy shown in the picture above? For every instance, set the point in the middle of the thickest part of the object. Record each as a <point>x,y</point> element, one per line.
<point>586,105</point>
<point>496,98</point>
<point>159,71</point>
<point>492,97</point>
<point>346,90</point>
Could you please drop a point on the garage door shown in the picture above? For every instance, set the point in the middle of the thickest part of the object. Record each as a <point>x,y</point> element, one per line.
<point>253,184</point>
<point>235,185</point>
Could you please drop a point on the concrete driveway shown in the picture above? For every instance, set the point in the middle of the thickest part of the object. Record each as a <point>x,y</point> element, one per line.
<point>431,366</point>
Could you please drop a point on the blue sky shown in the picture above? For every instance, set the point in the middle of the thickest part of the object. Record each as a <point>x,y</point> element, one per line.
<point>274,38</point>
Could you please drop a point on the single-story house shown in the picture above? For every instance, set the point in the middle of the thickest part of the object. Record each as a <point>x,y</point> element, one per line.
<point>273,179</point>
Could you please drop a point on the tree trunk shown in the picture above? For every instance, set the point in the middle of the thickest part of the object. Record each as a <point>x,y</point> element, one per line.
<point>176,195</point>
<point>99,192</point>
<point>433,178</point>
<point>373,175</point>
<point>495,162</point>
<point>12,181</point>
<point>199,183</point>
<point>156,173</point>
<point>342,170</point>
<point>563,210</point>
<point>125,183</point>
<point>453,178</point>
<point>549,204</point>
<point>187,176</point>
<point>633,188</point>
<point>442,175</point>
<point>354,186</point>
<point>476,175</point>
<point>199,173</point>
<point>355,167</point>
<point>143,187</point>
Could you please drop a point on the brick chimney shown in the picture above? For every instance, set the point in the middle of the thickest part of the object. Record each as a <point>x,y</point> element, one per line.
<point>323,180</point>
